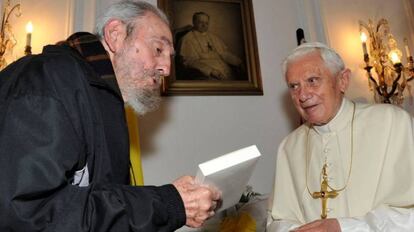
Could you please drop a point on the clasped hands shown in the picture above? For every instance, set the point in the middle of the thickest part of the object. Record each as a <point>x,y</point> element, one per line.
<point>216,74</point>
<point>200,201</point>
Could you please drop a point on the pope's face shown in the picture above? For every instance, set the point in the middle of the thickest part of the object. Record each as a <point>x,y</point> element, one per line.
<point>144,56</point>
<point>201,23</point>
<point>316,92</point>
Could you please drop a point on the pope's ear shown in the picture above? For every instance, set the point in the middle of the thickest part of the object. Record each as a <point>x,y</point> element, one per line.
<point>344,79</point>
<point>114,34</point>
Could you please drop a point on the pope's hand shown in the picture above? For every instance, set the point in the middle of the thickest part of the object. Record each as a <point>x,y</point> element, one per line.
<point>324,225</point>
<point>199,201</point>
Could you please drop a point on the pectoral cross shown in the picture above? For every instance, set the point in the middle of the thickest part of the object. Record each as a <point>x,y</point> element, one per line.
<point>324,194</point>
<point>210,48</point>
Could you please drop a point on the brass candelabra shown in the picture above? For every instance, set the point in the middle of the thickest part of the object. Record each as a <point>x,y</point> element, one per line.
<point>7,39</point>
<point>388,78</point>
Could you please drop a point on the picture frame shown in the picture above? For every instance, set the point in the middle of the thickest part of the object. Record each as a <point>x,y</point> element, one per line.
<point>218,59</point>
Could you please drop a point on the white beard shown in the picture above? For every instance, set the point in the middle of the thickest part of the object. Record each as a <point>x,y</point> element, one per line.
<point>143,100</point>
<point>133,79</point>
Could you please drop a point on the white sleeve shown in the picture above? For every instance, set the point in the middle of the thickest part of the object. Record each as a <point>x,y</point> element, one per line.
<point>380,219</point>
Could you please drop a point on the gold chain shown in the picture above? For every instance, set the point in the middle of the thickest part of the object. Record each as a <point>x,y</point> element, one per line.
<point>352,154</point>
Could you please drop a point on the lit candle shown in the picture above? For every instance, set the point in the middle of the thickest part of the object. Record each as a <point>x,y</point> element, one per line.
<point>394,57</point>
<point>29,30</point>
<point>364,43</point>
<point>407,49</point>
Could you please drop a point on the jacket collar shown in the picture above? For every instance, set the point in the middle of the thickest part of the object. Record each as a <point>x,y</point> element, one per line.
<point>89,48</point>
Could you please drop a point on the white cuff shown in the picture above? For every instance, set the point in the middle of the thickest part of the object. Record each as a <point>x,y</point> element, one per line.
<point>353,224</point>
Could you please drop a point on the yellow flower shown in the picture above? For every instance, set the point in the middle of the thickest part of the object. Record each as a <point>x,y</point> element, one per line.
<point>240,223</point>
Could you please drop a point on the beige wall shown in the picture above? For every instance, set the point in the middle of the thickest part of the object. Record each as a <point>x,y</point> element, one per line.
<point>187,130</point>
<point>192,129</point>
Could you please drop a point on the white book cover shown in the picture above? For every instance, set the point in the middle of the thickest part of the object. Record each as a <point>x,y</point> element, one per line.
<point>229,173</point>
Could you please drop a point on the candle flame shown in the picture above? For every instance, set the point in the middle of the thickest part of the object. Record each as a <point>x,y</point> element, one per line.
<point>29,27</point>
<point>363,37</point>
<point>394,57</point>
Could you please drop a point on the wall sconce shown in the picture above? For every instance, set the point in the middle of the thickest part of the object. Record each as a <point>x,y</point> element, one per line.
<point>7,39</point>
<point>387,76</point>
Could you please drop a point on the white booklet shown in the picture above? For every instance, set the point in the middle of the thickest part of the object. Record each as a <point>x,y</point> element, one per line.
<point>229,173</point>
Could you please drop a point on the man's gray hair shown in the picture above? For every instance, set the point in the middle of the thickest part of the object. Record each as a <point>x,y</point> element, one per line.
<point>329,56</point>
<point>127,11</point>
<point>197,14</point>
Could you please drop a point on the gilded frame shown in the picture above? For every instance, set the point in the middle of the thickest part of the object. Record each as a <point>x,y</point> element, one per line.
<point>227,16</point>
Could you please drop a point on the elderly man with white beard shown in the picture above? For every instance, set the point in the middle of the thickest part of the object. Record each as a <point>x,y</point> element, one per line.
<point>64,150</point>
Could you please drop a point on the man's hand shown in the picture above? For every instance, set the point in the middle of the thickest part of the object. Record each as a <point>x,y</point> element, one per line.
<point>199,201</point>
<point>324,225</point>
<point>216,74</point>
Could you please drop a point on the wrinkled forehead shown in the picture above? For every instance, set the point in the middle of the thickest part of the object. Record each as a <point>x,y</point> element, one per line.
<point>305,66</point>
<point>151,26</point>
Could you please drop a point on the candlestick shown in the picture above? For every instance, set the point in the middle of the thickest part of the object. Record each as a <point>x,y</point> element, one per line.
<point>407,49</point>
<point>364,44</point>
<point>29,30</point>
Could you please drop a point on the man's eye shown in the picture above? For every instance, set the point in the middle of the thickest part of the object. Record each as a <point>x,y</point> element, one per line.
<point>159,51</point>
<point>313,80</point>
<point>293,86</point>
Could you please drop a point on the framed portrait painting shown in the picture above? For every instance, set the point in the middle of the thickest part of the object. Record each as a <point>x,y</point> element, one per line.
<point>215,48</point>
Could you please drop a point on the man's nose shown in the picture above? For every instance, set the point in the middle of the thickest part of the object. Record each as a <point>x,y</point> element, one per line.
<point>164,66</point>
<point>304,93</point>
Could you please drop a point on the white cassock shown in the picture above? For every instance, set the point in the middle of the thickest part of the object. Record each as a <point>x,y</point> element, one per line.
<point>380,192</point>
<point>206,52</point>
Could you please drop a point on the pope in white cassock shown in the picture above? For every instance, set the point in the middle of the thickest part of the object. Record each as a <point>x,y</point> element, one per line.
<point>206,52</point>
<point>350,167</point>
